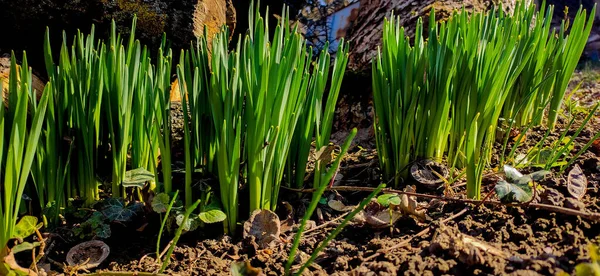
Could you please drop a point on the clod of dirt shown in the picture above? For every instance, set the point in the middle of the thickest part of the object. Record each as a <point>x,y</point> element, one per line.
<point>573,203</point>
<point>88,254</point>
<point>552,196</point>
<point>429,172</point>
<point>264,227</point>
<point>465,248</point>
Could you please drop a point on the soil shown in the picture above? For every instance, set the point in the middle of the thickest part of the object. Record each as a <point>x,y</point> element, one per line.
<point>485,240</point>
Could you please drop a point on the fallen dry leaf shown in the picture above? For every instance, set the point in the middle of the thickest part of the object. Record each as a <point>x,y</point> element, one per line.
<point>325,154</point>
<point>142,228</point>
<point>409,204</point>
<point>577,182</point>
<point>264,226</point>
<point>339,206</point>
<point>377,216</point>
<point>383,218</point>
<point>288,223</point>
<point>9,260</point>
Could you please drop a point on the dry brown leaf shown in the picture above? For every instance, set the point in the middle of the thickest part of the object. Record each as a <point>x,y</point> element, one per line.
<point>409,204</point>
<point>9,260</point>
<point>325,153</point>
<point>577,183</point>
<point>142,228</point>
<point>383,218</point>
<point>377,216</point>
<point>339,206</point>
<point>596,146</point>
<point>264,226</point>
<point>288,223</point>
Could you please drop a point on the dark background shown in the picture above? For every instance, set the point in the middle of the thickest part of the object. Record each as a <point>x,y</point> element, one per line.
<point>24,23</point>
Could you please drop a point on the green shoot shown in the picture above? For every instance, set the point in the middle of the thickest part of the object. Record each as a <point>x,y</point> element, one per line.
<point>178,233</point>
<point>164,222</point>
<point>18,142</point>
<point>336,231</point>
<point>322,180</point>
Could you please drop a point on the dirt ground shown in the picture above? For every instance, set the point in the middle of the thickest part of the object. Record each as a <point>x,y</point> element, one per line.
<point>481,240</point>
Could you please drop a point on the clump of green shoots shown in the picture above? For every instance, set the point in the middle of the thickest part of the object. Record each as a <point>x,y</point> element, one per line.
<point>195,86</point>
<point>99,90</point>
<point>73,122</point>
<point>124,72</point>
<point>18,143</point>
<point>555,57</point>
<point>317,115</point>
<point>275,79</point>
<point>159,129</point>
<point>214,99</point>
<point>443,95</point>
<point>284,105</point>
<point>254,97</point>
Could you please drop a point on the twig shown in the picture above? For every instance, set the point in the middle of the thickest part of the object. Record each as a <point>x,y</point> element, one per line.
<point>547,207</point>
<point>356,166</point>
<point>164,251</point>
<point>409,240</point>
<point>36,258</point>
<point>490,193</point>
<point>325,224</point>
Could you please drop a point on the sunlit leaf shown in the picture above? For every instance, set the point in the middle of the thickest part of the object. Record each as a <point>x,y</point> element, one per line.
<point>325,154</point>
<point>511,173</point>
<point>212,216</point>
<point>539,175</point>
<point>513,192</point>
<point>190,224</point>
<point>137,178</point>
<point>160,203</point>
<point>25,246</point>
<point>338,206</point>
<point>26,227</point>
<point>388,199</point>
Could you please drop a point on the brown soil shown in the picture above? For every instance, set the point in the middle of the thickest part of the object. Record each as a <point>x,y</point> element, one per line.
<point>485,240</point>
